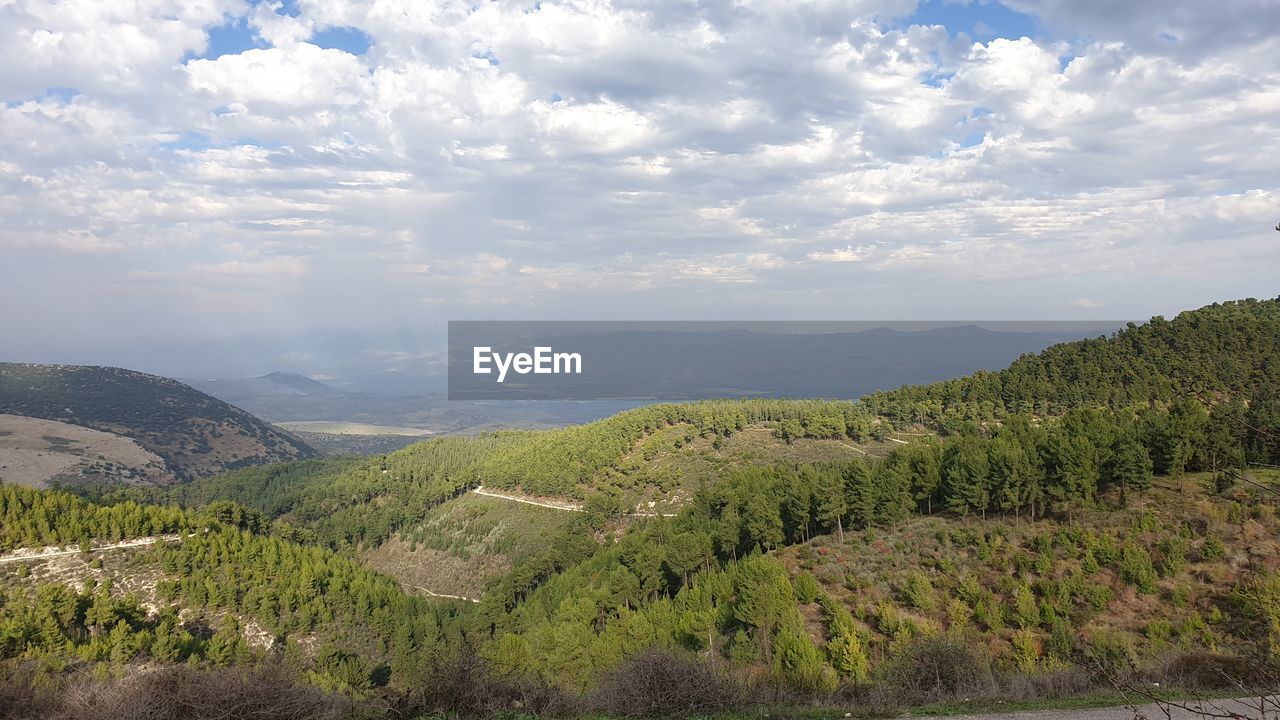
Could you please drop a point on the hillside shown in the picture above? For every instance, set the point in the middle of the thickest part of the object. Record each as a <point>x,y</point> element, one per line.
<point>211,589</point>
<point>194,434</point>
<point>931,544</point>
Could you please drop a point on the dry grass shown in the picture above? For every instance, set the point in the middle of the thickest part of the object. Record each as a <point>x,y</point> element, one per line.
<point>35,452</point>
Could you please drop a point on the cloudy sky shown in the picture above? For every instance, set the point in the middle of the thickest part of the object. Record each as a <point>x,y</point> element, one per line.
<point>192,169</point>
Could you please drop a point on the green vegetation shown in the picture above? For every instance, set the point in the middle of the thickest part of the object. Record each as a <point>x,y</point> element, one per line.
<point>565,462</point>
<point>348,627</point>
<point>1222,351</point>
<point>1090,512</point>
<point>342,502</point>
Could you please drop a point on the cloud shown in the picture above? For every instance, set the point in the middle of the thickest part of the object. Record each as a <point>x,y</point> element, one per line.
<point>842,255</point>
<point>625,158</point>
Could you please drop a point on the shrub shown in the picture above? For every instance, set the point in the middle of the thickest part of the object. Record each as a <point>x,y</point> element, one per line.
<point>1173,555</point>
<point>1212,548</point>
<point>918,591</point>
<point>183,693</point>
<point>1159,631</point>
<point>1026,613</point>
<point>467,684</point>
<point>1260,598</point>
<point>1026,650</point>
<point>1090,562</point>
<point>1136,568</point>
<point>935,668</point>
<point>1105,550</point>
<point>1111,654</point>
<point>806,588</point>
<point>1062,641</point>
<point>958,616</point>
<point>1097,596</point>
<point>661,683</point>
<point>742,649</point>
<point>798,663</point>
<point>1194,632</point>
<point>1207,671</point>
<point>888,619</point>
<point>987,612</point>
<point>849,656</point>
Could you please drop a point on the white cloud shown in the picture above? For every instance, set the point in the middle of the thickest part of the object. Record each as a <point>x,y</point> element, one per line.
<point>617,157</point>
<point>845,254</point>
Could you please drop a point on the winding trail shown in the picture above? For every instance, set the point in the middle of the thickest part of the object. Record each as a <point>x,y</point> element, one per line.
<point>433,593</point>
<point>571,507</point>
<point>22,555</point>
<point>479,490</point>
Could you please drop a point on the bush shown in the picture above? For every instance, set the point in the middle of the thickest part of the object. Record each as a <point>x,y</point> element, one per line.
<point>183,693</point>
<point>918,591</point>
<point>806,588</point>
<point>798,664</point>
<point>1026,613</point>
<point>467,684</point>
<point>1111,654</point>
<point>1173,555</point>
<point>1136,568</point>
<point>661,683</point>
<point>1212,548</point>
<point>935,668</point>
<point>1026,650</point>
<point>848,656</point>
<point>1207,671</point>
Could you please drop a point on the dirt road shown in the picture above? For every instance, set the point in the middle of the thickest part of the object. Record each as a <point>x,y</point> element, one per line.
<point>26,555</point>
<point>1248,709</point>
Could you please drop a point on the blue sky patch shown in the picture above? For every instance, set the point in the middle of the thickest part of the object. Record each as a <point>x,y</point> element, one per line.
<point>983,20</point>
<point>65,94</point>
<point>199,142</point>
<point>232,38</point>
<point>346,39</point>
<point>188,140</point>
<point>288,7</point>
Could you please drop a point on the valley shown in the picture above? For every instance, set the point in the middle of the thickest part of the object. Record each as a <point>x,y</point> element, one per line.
<point>1101,513</point>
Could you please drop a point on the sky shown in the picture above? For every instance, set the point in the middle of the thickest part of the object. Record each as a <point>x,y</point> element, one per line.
<point>188,170</point>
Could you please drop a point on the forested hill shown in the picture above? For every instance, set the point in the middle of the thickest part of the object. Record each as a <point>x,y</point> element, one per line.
<point>1218,352</point>
<point>1106,509</point>
<point>196,435</point>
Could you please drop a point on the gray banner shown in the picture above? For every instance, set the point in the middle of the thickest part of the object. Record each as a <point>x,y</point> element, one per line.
<point>672,360</point>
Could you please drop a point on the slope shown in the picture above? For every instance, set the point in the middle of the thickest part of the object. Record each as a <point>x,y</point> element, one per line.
<point>195,434</point>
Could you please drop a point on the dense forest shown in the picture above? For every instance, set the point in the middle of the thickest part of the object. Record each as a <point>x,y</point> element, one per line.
<point>1104,508</point>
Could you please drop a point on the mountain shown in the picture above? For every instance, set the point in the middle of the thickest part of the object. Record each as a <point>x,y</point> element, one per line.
<point>193,434</point>
<point>1097,517</point>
